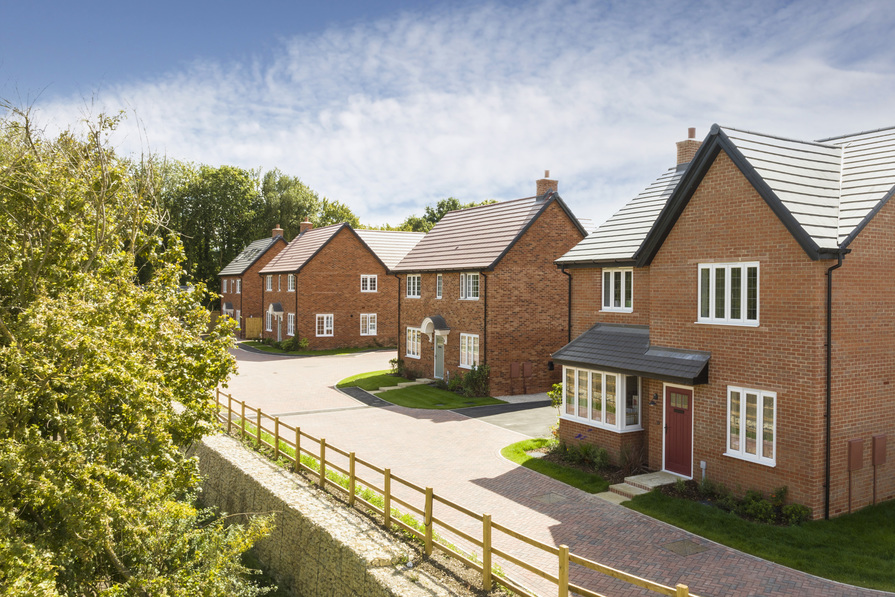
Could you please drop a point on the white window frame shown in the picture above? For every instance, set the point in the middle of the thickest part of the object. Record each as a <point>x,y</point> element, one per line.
<point>290,283</point>
<point>238,285</point>
<point>327,325</point>
<point>269,282</point>
<point>290,324</point>
<point>439,286</point>
<point>469,351</point>
<point>621,419</point>
<point>614,283</point>
<point>367,324</point>
<point>224,286</point>
<point>369,283</point>
<point>413,343</point>
<point>469,287</point>
<point>742,453</point>
<point>414,283</point>
<point>268,321</point>
<point>279,282</point>
<point>727,318</point>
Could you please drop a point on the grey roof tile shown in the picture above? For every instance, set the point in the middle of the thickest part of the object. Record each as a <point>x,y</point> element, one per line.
<point>248,256</point>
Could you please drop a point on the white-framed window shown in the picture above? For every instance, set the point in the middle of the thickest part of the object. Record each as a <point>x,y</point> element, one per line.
<point>728,293</point>
<point>469,350</point>
<point>268,282</point>
<point>368,283</point>
<point>607,400</point>
<point>367,324</point>
<point>238,319</point>
<point>618,290</point>
<point>290,283</point>
<point>279,282</point>
<point>413,286</point>
<point>239,286</point>
<point>439,286</point>
<point>469,287</point>
<point>325,324</point>
<point>268,321</point>
<point>224,286</point>
<point>752,425</point>
<point>414,339</point>
<point>290,324</point>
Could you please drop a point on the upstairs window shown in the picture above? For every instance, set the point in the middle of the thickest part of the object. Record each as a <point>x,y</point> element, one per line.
<point>728,293</point>
<point>618,290</point>
<point>413,286</point>
<point>238,286</point>
<point>439,286</point>
<point>368,283</point>
<point>290,282</point>
<point>469,287</point>
<point>268,282</point>
<point>224,286</point>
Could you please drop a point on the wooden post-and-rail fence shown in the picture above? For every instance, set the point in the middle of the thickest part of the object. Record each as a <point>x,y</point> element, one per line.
<point>282,434</point>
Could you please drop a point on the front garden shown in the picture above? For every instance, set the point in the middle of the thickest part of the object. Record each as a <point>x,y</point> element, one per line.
<point>300,348</point>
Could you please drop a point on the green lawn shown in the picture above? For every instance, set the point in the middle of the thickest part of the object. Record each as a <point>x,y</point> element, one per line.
<point>570,476</point>
<point>372,380</point>
<point>857,549</point>
<point>306,353</point>
<point>423,396</point>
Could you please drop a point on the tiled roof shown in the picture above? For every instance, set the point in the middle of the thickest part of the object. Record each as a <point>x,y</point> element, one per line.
<point>626,349</point>
<point>476,238</point>
<point>389,245</point>
<point>249,255</point>
<point>301,249</point>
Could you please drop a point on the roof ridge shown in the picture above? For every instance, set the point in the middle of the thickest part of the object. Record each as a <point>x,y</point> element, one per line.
<point>886,128</point>
<point>778,137</point>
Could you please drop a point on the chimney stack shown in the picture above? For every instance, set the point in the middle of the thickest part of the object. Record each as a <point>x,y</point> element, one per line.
<point>546,184</point>
<point>276,232</point>
<point>305,226</point>
<point>687,149</point>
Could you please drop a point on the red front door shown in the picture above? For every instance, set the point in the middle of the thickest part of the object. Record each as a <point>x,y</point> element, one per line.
<point>679,431</point>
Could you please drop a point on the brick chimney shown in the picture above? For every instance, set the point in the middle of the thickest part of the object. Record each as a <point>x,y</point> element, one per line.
<point>546,184</point>
<point>305,226</point>
<point>687,149</point>
<point>276,232</point>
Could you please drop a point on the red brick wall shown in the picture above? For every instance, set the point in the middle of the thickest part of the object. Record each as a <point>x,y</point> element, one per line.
<point>330,284</point>
<point>248,301</point>
<point>587,302</point>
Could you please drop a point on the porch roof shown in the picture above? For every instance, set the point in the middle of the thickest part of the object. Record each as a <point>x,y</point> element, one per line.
<point>626,349</point>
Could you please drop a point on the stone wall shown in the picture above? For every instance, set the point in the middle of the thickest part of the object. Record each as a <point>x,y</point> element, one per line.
<point>319,546</point>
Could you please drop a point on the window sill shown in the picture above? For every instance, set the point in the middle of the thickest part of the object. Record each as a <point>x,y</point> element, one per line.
<point>323,336</point>
<point>599,425</point>
<point>412,297</point>
<point>369,291</point>
<point>366,335</point>
<point>410,356</point>
<point>462,366</point>
<point>468,299</point>
<point>754,460</point>
<point>736,324</point>
<point>613,310</point>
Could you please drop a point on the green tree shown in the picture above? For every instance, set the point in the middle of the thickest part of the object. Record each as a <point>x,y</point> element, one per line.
<point>103,383</point>
<point>286,201</point>
<point>333,212</point>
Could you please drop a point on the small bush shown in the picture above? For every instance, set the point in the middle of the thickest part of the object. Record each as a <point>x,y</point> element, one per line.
<point>760,510</point>
<point>778,496</point>
<point>455,382</point>
<point>795,514</point>
<point>711,489</point>
<point>397,366</point>
<point>555,395</point>
<point>631,460</point>
<point>294,344</point>
<point>476,383</point>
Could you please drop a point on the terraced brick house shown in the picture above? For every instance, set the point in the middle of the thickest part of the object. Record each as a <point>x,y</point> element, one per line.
<point>481,288</point>
<point>240,284</point>
<point>736,320</point>
<point>331,286</point>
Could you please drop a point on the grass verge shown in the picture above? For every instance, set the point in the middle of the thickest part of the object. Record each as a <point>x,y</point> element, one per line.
<point>306,353</point>
<point>856,549</point>
<point>424,396</point>
<point>372,380</point>
<point>570,476</point>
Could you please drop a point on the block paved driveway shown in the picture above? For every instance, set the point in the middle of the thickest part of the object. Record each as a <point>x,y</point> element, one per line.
<point>460,458</point>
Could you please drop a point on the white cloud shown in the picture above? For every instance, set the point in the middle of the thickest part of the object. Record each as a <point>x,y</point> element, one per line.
<point>476,102</point>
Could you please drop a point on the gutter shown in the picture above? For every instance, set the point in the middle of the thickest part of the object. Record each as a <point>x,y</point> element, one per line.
<point>562,268</point>
<point>829,381</point>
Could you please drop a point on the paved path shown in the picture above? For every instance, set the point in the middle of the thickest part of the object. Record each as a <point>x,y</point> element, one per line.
<point>459,457</point>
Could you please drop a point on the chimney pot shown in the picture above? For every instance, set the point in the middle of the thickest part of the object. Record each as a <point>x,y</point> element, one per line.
<point>305,226</point>
<point>691,132</point>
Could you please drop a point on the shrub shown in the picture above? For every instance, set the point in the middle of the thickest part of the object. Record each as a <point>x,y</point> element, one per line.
<point>778,496</point>
<point>455,382</point>
<point>555,395</point>
<point>476,382</point>
<point>631,460</point>
<point>760,510</point>
<point>712,489</point>
<point>397,365</point>
<point>796,514</point>
<point>294,344</point>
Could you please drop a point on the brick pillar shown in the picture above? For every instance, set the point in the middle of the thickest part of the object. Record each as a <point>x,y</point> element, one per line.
<point>687,149</point>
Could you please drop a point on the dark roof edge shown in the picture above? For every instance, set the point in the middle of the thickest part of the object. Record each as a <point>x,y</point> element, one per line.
<point>601,263</point>
<point>867,218</point>
<point>700,379</point>
<point>260,255</point>
<point>715,142</point>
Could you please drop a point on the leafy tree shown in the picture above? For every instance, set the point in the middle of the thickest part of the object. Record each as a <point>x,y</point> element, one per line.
<point>286,201</point>
<point>103,382</point>
<point>433,214</point>
<point>333,212</point>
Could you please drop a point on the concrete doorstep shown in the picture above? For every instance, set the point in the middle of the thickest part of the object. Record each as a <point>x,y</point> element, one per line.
<point>637,485</point>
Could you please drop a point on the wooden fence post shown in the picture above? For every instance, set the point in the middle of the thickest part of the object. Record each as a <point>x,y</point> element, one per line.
<point>242,421</point>
<point>297,449</point>
<point>681,591</point>
<point>276,438</point>
<point>229,412</point>
<point>486,552</point>
<point>387,497</point>
<point>428,521</point>
<point>563,583</point>
<point>351,481</point>
<point>258,427</point>
<point>322,462</point>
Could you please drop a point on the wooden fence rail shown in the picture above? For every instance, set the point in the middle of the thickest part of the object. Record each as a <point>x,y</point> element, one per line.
<point>282,434</point>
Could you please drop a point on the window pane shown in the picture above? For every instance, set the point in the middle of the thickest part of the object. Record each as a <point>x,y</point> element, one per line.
<point>720,275</point>
<point>705,288</point>
<point>607,279</point>
<point>596,397</point>
<point>569,388</point>
<point>767,424</point>
<point>734,421</point>
<point>617,290</point>
<point>628,289</point>
<point>632,402</point>
<point>582,393</point>
<point>610,399</point>
<point>752,293</point>
<point>751,422</point>
<point>736,289</point>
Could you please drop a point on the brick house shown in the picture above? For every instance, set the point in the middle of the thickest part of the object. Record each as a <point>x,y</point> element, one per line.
<point>331,286</point>
<point>481,288</point>
<point>240,284</point>
<point>736,320</point>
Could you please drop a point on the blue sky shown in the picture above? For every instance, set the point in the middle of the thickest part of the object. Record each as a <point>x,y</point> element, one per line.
<point>389,106</point>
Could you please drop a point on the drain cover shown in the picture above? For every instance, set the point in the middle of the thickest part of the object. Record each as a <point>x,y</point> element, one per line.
<point>551,498</point>
<point>685,547</point>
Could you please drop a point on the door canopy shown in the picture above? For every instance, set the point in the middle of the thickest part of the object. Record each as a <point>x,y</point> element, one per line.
<point>435,325</point>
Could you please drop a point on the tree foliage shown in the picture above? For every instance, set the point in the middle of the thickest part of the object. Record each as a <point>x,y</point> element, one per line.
<point>96,495</point>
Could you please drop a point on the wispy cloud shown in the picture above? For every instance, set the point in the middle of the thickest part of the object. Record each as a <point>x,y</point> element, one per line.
<point>475,102</point>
